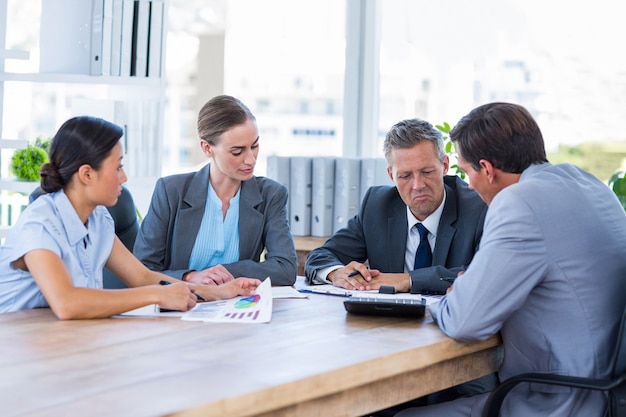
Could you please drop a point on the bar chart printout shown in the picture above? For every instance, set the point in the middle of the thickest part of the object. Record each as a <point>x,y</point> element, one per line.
<point>255,308</point>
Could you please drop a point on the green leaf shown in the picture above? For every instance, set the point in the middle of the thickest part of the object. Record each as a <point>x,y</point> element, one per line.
<point>617,183</point>
<point>445,128</point>
<point>43,143</point>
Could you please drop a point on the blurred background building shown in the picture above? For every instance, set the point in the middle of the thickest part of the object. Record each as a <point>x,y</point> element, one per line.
<point>306,67</point>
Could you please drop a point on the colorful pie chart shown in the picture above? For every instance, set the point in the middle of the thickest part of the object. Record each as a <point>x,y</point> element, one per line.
<point>248,302</point>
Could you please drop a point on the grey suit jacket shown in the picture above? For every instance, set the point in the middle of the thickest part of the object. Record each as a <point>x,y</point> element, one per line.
<point>550,275</point>
<point>168,232</point>
<point>378,234</point>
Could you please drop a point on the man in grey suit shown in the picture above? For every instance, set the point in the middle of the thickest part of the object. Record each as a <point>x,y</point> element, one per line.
<point>382,232</point>
<point>550,274</point>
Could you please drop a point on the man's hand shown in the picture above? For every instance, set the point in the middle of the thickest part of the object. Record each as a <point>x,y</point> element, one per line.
<point>449,290</point>
<point>355,276</point>
<point>401,281</point>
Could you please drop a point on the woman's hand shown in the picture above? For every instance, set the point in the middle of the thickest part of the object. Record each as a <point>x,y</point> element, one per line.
<point>214,275</point>
<point>234,288</point>
<point>177,296</point>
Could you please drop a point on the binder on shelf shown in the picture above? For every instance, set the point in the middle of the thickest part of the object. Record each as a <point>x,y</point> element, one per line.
<point>323,194</point>
<point>347,191</point>
<point>107,38</point>
<point>116,37</point>
<point>373,172</point>
<point>65,36</point>
<point>300,195</point>
<point>139,50</point>
<point>278,170</point>
<point>126,41</point>
<point>155,41</point>
<point>102,37</point>
<point>97,24</point>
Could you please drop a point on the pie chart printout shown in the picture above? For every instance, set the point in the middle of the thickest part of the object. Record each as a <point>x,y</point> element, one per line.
<point>248,302</point>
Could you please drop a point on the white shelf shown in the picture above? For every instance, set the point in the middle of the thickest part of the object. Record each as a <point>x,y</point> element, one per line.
<point>81,79</point>
<point>19,186</point>
<point>134,102</point>
<point>14,54</point>
<point>13,143</point>
<point>4,231</point>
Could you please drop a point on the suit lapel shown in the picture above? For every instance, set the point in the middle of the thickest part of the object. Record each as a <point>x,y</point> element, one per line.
<point>396,237</point>
<point>250,219</point>
<point>192,210</point>
<point>445,230</point>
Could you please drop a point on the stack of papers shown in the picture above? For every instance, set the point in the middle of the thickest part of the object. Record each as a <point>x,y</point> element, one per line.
<point>255,308</point>
<point>329,289</point>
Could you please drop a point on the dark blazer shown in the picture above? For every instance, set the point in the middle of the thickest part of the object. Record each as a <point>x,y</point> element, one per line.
<point>169,230</point>
<point>378,234</point>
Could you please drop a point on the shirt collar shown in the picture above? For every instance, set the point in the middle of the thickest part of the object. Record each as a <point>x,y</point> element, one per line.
<point>534,168</point>
<point>74,227</point>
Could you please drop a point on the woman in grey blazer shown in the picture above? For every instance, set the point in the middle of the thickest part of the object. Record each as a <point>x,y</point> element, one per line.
<point>212,226</point>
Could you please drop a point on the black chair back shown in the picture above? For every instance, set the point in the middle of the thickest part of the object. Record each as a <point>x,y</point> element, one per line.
<point>619,359</point>
<point>614,387</point>
<point>617,396</point>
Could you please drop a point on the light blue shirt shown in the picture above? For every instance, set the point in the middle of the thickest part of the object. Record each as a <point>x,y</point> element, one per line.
<point>217,242</point>
<point>51,223</point>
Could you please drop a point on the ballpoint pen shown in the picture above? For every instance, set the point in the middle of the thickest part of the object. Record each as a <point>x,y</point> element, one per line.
<point>448,279</point>
<point>324,292</point>
<point>164,282</point>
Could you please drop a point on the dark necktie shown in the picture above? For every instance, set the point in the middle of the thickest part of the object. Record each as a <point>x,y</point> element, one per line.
<point>423,255</point>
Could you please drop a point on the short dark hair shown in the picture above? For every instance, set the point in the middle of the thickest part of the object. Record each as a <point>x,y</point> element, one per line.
<point>80,140</point>
<point>219,114</point>
<point>504,134</point>
<point>409,132</point>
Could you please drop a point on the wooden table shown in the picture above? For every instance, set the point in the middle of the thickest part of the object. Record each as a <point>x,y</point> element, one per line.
<point>304,245</point>
<point>312,359</point>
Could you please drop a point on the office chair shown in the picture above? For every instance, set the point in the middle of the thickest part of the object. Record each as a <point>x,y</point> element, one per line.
<point>615,387</point>
<point>126,227</point>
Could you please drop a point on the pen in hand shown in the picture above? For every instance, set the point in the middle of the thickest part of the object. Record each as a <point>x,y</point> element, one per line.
<point>163,282</point>
<point>353,274</point>
<point>447,279</point>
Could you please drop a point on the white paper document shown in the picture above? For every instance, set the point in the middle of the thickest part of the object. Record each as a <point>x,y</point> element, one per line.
<point>151,310</point>
<point>255,308</point>
<point>329,289</point>
<point>286,291</point>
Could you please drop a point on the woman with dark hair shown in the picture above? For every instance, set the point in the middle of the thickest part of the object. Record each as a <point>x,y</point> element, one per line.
<point>210,226</point>
<point>55,254</point>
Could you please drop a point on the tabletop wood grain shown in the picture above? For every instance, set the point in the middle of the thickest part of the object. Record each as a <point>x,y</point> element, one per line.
<point>312,359</point>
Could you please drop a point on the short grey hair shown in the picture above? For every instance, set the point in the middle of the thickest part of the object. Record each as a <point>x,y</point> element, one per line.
<point>408,133</point>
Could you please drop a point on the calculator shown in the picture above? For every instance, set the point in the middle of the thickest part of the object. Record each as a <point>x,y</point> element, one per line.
<point>399,307</point>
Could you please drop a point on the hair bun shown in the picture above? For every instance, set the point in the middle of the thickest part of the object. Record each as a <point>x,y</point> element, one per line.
<point>50,178</point>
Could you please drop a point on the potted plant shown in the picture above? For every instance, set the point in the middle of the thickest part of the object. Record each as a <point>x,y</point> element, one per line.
<point>26,163</point>
<point>617,183</point>
<point>445,129</point>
